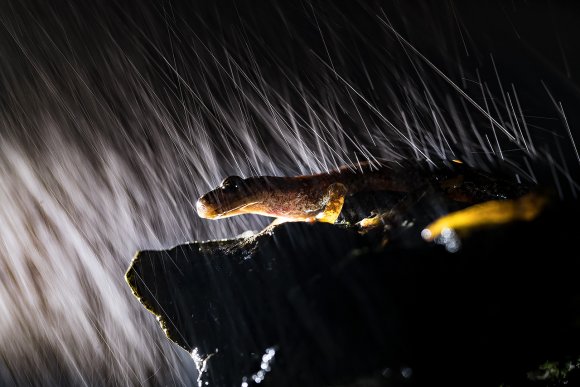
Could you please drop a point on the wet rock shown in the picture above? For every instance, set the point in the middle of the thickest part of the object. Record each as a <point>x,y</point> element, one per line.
<point>322,305</point>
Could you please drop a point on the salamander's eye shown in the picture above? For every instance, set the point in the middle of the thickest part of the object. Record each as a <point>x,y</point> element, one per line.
<point>232,183</point>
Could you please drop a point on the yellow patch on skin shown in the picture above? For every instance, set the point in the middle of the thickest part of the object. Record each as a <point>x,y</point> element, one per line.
<point>336,194</point>
<point>491,213</point>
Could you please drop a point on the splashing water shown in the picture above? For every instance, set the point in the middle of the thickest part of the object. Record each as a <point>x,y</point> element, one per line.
<point>114,121</point>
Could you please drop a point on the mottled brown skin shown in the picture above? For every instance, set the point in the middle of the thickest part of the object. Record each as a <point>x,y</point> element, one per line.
<point>320,197</point>
<point>302,198</point>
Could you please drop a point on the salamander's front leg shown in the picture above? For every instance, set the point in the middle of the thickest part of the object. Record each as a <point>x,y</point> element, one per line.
<point>334,202</point>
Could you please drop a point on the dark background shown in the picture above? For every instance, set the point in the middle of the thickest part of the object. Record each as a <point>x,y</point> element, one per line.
<point>116,116</point>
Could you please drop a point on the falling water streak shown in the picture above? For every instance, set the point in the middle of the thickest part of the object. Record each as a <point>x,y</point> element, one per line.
<point>76,213</point>
<point>377,112</point>
<point>446,78</point>
<point>532,148</point>
<point>490,121</point>
<point>61,224</point>
<point>503,94</point>
<point>515,119</point>
<point>563,114</point>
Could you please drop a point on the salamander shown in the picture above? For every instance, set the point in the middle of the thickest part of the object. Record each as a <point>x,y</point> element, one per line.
<point>320,197</point>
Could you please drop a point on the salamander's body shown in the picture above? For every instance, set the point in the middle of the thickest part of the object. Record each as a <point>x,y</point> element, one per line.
<point>303,198</point>
<point>320,197</point>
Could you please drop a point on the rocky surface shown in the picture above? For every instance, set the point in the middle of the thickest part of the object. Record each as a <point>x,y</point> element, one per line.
<point>323,305</point>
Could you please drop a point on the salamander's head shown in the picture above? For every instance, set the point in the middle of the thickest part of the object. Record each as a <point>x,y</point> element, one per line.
<point>232,197</point>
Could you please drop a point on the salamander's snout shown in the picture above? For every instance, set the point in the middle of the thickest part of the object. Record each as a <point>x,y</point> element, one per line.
<point>228,199</point>
<point>205,208</point>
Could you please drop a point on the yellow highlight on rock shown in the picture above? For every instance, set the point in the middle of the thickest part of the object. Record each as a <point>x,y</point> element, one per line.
<point>492,213</point>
